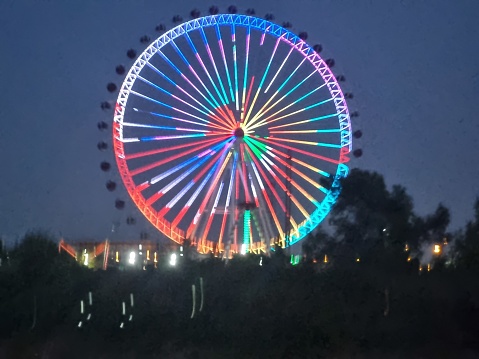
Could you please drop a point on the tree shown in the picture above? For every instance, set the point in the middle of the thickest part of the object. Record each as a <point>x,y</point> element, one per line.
<point>467,246</point>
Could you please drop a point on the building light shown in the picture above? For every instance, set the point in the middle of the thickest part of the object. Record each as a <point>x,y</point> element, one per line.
<point>358,260</point>
<point>406,248</point>
<point>326,260</point>
<point>117,256</point>
<point>173,259</point>
<point>437,249</point>
<point>85,262</point>
<point>131,260</point>
<point>409,258</point>
<point>147,254</point>
<point>155,258</point>
<point>428,267</point>
<point>140,247</point>
<point>243,249</point>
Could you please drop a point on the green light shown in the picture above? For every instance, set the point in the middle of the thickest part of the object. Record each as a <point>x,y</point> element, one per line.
<point>246,227</point>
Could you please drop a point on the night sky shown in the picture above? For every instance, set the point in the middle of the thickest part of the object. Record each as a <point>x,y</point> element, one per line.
<point>412,65</point>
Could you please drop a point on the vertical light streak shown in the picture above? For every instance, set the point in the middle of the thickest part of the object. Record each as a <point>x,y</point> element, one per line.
<point>228,196</point>
<point>243,174</point>
<point>220,44</point>
<point>210,55</point>
<point>247,100</point>
<point>255,195</point>
<point>245,78</point>
<point>212,213</point>
<point>263,35</point>
<point>233,39</point>
<point>246,228</point>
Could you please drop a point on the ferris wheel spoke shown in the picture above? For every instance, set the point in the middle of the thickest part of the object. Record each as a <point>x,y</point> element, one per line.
<point>169,149</point>
<point>229,195</point>
<point>213,62</point>
<point>263,122</point>
<point>264,193</point>
<point>270,165</point>
<point>186,188</point>
<point>212,213</point>
<point>271,128</point>
<point>245,77</point>
<point>169,106</point>
<point>258,90</point>
<point>321,144</point>
<point>163,138</point>
<point>266,110</point>
<point>199,145</point>
<point>200,159</point>
<point>173,118</point>
<point>217,106</point>
<point>262,110</point>
<point>333,130</point>
<point>170,128</point>
<point>200,61</point>
<point>235,64</point>
<point>175,97</point>
<point>264,149</point>
<point>279,69</point>
<point>194,196</point>
<point>294,159</point>
<point>163,56</point>
<point>290,104</point>
<point>209,192</point>
<point>324,158</point>
<point>209,112</point>
<point>225,62</point>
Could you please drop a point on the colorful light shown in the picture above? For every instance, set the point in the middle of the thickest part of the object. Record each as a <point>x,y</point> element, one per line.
<point>174,133</point>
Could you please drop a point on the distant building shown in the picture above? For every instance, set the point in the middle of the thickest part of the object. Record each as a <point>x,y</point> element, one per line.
<point>140,254</point>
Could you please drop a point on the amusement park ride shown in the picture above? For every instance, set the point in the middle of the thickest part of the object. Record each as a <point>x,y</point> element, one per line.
<point>230,131</point>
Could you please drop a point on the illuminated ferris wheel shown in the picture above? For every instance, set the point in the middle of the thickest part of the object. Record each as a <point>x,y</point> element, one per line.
<point>232,132</point>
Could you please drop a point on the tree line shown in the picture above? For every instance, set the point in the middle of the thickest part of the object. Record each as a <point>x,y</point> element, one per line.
<point>358,293</point>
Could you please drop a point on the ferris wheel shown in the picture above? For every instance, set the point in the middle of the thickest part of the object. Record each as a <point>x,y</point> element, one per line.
<point>232,132</point>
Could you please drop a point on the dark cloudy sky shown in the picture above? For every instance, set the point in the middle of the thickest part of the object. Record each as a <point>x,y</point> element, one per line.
<point>413,66</point>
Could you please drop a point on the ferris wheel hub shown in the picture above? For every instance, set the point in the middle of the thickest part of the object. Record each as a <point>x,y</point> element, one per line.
<point>238,132</point>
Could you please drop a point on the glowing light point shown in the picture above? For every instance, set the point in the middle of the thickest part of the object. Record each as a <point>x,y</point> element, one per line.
<point>437,249</point>
<point>131,260</point>
<point>173,259</point>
